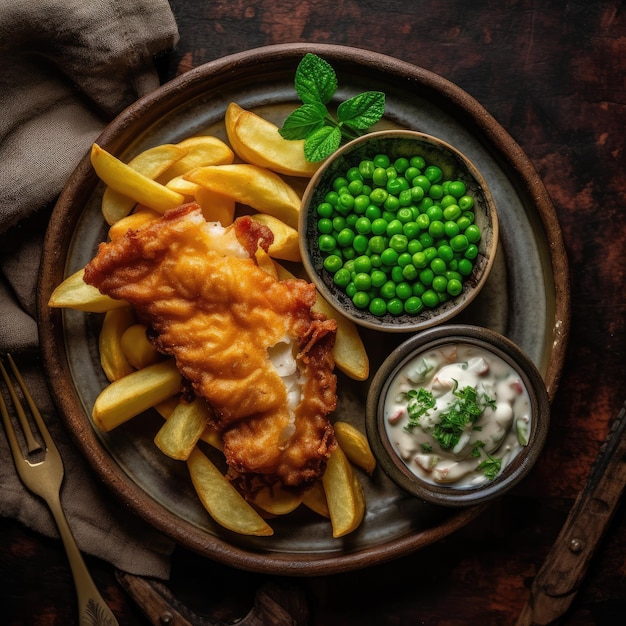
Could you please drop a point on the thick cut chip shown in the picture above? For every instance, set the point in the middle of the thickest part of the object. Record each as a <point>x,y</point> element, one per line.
<point>277,500</point>
<point>315,499</point>
<point>253,186</point>
<point>135,393</point>
<point>124,179</point>
<point>75,293</point>
<point>221,500</point>
<point>216,207</point>
<point>345,501</point>
<point>112,358</point>
<point>150,163</point>
<point>257,141</point>
<point>199,151</point>
<point>137,347</point>
<point>135,220</point>
<point>286,245</point>
<point>355,445</point>
<point>183,428</point>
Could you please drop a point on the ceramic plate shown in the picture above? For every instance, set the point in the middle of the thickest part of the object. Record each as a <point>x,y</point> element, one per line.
<point>530,268</point>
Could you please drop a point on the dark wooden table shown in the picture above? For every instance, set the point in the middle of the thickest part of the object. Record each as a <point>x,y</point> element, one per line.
<point>553,74</point>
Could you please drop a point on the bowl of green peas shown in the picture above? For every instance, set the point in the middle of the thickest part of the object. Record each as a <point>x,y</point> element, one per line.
<point>399,231</point>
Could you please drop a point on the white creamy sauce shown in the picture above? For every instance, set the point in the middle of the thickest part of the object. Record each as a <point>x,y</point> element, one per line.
<point>446,445</point>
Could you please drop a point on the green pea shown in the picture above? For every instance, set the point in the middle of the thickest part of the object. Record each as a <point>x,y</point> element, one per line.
<point>413,305</point>
<point>362,281</point>
<point>378,307</point>
<point>421,181</point>
<point>398,242</point>
<point>366,169</point>
<point>430,298</point>
<point>418,162</point>
<point>419,260</point>
<point>435,192</point>
<point>424,204</point>
<point>389,257</point>
<point>345,237</point>
<point>379,278</point>
<point>446,253</point>
<point>382,160</point>
<point>391,173</point>
<point>394,228</point>
<point>411,229</point>
<point>438,266</point>
<point>397,185</point>
<point>360,243</point>
<point>326,243</point>
<point>404,215</point>
<point>372,212</point>
<point>426,240</point>
<point>451,229</point>
<point>472,233</point>
<point>417,192</point>
<point>423,221</point>
<point>355,187</point>
<point>396,274</point>
<point>447,199</point>
<point>354,174</point>
<point>440,283</point>
<point>466,203</point>
<point>457,188</point>
<point>379,177</point>
<point>459,243</point>
<point>325,209</point>
<point>339,183</point>
<point>426,277</point>
<point>471,252</point>
<point>362,264</point>
<point>360,299</point>
<point>434,213</point>
<point>348,253</point>
<point>345,203</point>
<point>454,287</point>
<point>418,289</point>
<point>341,277</point>
<point>404,259</point>
<point>404,198</point>
<point>433,173</point>
<point>378,243</point>
<point>409,272</point>
<point>391,203</point>
<point>363,226</point>
<point>463,222</point>
<point>401,164</point>
<point>452,212</point>
<point>411,172</point>
<point>465,267</point>
<point>436,229</point>
<point>395,306</point>
<point>388,290</point>
<point>325,226</point>
<point>404,290</point>
<point>332,263</point>
<point>378,196</point>
<point>361,202</point>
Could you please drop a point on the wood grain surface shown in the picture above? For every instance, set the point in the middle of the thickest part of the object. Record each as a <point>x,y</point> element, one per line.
<point>553,74</point>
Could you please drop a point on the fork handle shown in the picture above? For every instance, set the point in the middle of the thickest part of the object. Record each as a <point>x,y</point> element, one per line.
<point>92,609</point>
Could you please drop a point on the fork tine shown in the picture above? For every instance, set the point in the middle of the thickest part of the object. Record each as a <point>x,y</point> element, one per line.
<point>31,442</point>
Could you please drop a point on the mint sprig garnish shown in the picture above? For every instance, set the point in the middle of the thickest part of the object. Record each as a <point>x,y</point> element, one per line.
<point>316,83</point>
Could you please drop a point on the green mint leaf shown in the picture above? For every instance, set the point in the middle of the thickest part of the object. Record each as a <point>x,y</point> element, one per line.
<point>315,80</point>
<point>322,143</point>
<point>305,120</point>
<point>363,110</point>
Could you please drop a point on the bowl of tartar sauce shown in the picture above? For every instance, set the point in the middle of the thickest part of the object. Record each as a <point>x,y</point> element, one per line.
<point>457,415</point>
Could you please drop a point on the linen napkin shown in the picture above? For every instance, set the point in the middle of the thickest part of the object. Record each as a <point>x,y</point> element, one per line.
<point>67,68</point>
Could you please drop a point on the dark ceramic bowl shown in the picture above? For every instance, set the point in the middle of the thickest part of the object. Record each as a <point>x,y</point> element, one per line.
<point>502,354</point>
<point>455,166</point>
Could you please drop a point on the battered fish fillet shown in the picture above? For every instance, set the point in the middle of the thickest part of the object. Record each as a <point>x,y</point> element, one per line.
<point>246,342</point>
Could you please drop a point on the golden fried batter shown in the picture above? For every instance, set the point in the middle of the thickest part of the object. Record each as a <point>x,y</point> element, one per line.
<point>223,318</point>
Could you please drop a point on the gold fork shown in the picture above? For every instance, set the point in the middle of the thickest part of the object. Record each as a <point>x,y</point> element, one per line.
<point>41,470</point>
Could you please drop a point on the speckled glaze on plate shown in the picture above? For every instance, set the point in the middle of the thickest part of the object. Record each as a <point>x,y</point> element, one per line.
<point>530,267</point>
